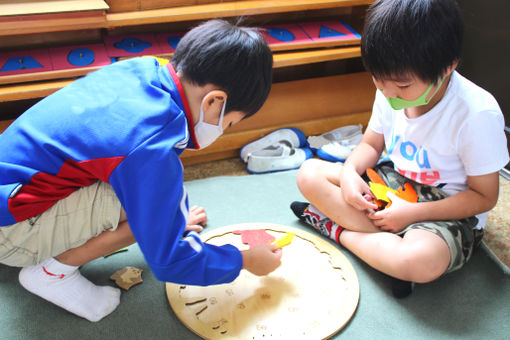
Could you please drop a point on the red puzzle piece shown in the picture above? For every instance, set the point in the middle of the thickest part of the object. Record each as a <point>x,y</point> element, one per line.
<point>329,30</point>
<point>131,45</point>
<point>77,56</point>
<point>284,34</point>
<point>168,41</point>
<point>254,238</point>
<point>19,62</point>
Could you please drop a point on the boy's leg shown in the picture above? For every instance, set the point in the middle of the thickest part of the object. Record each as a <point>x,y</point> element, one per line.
<point>319,183</point>
<point>93,225</point>
<point>59,281</point>
<point>419,256</point>
<point>107,242</point>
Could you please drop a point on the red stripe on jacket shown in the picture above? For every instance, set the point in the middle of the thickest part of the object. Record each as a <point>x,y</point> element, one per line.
<point>45,189</point>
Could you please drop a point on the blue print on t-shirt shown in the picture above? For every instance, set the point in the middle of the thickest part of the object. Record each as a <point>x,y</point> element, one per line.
<point>411,152</point>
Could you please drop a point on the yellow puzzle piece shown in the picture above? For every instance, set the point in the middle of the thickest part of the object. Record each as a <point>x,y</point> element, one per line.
<point>380,191</point>
<point>161,61</point>
<point>285,240</point>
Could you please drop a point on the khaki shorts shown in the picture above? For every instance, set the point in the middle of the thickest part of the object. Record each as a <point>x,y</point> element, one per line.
<point>69,223</point>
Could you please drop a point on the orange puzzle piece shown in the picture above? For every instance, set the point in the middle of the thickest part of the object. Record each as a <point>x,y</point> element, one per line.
<point>379,189</point>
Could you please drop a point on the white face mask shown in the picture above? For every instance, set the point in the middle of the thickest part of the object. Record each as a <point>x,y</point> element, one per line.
<point>207,133</point>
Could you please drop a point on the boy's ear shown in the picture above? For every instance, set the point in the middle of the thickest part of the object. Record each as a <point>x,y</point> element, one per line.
<point>214,99</point>
<point>452,68</point>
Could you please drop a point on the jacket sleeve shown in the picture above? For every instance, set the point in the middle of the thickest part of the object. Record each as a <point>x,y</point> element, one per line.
<point>150,188</point>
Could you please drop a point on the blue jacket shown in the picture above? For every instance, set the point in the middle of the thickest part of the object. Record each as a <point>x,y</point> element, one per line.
<point>125,124</point>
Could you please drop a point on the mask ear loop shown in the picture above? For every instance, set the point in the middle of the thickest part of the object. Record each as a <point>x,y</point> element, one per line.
<point>222,114</point>
<point>201,117</point>
<point>435,92</point>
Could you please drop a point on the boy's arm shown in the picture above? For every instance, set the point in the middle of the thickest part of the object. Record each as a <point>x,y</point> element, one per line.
<point>365,155</point>
<point>150,187</point>
<point>481,196</point>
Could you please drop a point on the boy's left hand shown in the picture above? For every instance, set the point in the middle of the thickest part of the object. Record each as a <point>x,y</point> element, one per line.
<point>396,217</point>
<point>197,219</point>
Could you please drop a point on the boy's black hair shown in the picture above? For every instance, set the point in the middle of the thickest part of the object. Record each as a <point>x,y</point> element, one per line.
<point>420,37</point>
<point>236,59</point>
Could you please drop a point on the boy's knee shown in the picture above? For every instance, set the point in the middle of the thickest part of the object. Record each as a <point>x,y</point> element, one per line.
<point>422,267</point>
<point>307,174</point>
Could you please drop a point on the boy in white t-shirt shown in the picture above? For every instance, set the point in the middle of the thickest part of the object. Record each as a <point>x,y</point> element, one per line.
<point>444,135</point>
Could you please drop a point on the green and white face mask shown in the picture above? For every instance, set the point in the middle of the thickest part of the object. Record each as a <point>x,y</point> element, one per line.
<point>399,103</point>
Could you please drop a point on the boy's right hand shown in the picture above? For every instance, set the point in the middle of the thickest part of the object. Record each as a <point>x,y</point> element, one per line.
<point>356,191</point>
<point>262,260</point>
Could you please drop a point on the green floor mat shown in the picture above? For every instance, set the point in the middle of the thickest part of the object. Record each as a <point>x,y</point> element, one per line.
<point>473,303</point>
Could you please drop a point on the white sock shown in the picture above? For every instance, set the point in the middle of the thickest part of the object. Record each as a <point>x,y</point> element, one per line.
<point>64,286</point>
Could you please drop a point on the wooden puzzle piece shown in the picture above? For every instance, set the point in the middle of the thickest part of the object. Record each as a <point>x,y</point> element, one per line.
<point>168,41</point>
<point>68,57</point>
<point>285,240</point>
<point>131,45</point>
<point>162,61</point>
<point>285,34</point>
<point>374,177</point>
<point>329,30</point>
<point>254,238</point>
<point>19,62</point>
<point>380,191</point>
<point>127,277</point>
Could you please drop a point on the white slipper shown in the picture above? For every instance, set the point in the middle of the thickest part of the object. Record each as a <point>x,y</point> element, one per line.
<point>294,138</point>
<point>277,157</point>
<point>338,151</point>
<point>341,135</point>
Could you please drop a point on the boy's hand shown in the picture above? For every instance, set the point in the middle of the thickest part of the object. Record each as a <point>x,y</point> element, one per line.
<point>395,218</point>
<point>197,219</point>
<point>262,260</point>
<point>356,191</point>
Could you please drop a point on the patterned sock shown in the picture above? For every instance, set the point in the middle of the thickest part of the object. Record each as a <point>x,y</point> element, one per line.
<point>310,215</point>
<point>64,286</point>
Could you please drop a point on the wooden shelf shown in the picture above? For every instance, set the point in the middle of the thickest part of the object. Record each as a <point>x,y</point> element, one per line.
<point>49,75</point>
<point>315,56</point>
<point>27,7</point>
<point>31,90</point>
<point>40,16</point>
<point>39,88</point>
<point>45,23</point>
<point>224,9</point>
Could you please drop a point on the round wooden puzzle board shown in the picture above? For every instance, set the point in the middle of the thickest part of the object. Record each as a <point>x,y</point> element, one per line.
<point>312,295</point>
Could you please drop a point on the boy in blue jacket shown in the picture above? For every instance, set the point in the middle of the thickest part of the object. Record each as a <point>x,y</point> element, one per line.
<point>95,167</point>
<point>444,135</point>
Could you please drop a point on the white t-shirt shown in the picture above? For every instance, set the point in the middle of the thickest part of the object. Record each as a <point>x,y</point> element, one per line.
<point>462,135</point>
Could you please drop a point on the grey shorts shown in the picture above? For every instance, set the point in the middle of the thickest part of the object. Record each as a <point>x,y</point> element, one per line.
<point>460,235</point>
<point>69,223</point>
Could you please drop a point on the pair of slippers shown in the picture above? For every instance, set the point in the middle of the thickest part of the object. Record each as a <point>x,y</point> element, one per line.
<point>288,148</point>
<point>336,145</point>
<point>283,149</point>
